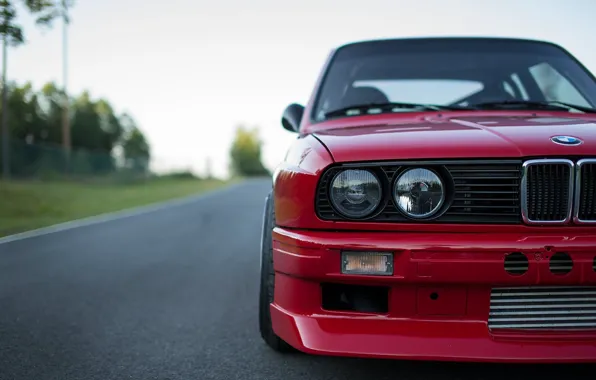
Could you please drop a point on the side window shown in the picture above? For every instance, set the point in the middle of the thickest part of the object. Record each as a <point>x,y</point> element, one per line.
<point>555,87</point>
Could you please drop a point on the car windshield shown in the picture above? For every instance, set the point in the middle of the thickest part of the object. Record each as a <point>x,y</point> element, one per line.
<point>450,72</point>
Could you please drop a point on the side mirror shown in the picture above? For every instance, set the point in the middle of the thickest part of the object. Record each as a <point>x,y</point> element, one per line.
<point>292,116</point>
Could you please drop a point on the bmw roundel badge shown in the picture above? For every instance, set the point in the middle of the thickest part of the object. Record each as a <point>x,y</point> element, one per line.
<point>566,140</point>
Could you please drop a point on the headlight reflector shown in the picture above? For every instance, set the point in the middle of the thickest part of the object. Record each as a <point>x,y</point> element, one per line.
<point>419,193</point>
<point>355,193</point>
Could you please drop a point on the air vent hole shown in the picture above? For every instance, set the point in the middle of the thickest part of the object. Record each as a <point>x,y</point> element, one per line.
<point>516,264</point>
<point>561,263</point>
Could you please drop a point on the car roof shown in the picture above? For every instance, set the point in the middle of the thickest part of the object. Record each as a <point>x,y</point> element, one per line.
<point>447,40</point>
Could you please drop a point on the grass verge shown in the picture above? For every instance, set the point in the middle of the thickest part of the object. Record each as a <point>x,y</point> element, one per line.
<point>27,205</point>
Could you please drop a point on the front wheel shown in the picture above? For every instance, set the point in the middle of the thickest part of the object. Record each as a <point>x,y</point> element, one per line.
<point>267,284</point>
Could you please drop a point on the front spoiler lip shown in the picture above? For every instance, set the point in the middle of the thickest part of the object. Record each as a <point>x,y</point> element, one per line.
<point>461,341</point>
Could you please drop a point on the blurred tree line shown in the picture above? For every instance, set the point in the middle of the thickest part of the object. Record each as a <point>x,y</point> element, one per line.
<point>245,154</point>
<point>102,141</point>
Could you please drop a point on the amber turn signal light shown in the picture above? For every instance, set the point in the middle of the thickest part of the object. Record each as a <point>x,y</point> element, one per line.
<point>367,263</point>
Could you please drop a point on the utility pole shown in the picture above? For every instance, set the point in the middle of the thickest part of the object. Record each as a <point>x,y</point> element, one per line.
<point>66,103</point>
<point>208,171</point>
<point>5,134</point>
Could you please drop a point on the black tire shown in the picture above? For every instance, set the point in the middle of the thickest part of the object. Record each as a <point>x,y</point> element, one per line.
<point>268,281</point>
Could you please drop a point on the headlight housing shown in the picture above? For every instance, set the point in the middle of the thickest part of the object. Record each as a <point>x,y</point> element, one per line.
<point>419,193</point>
<point>355,193</point>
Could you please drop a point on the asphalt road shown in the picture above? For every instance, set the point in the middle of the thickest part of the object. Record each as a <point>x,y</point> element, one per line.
<point>170,295</point>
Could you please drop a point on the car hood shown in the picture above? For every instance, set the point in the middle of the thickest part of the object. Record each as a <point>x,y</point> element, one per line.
<point>460,137</point>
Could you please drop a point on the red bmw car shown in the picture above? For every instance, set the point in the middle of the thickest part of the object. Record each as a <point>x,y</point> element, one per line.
<point>439,203</point>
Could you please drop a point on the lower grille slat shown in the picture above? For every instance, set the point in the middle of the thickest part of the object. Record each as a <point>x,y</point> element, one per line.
<point>548,319</point>
<point>555,308</point>
<point>541,312</point>
<point>495,295</point>
<point>541,307</point>
<point>571,325</point>
<point>543,299</point>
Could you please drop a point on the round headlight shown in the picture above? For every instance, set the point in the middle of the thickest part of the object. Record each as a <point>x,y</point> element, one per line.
<point>419,193</point>
<point>355,193</point>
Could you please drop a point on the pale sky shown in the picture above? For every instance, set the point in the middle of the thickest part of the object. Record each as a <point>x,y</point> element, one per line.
<point>189,71</point>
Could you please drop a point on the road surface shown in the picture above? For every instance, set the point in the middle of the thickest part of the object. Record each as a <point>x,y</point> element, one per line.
<point>170,294</point>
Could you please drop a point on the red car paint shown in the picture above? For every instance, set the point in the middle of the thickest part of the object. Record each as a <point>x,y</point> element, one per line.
<point>457,263</point>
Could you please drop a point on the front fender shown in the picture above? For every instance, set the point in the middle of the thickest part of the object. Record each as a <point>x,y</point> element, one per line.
<point>295,182</point>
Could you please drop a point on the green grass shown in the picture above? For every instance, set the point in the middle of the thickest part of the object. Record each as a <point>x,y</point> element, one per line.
<point>26,205</point>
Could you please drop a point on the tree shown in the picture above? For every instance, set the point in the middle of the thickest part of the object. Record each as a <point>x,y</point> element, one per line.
<point>26,123</point>
<point>12,34</point>
<point>98,131</point>
<point>48,10</point>
<point>134,145</point>
<point>245,153</point>
<point>50,107</point>
<point>96,128</point>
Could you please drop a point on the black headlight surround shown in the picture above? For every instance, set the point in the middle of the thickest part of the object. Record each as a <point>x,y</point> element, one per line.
<point>469,197</point>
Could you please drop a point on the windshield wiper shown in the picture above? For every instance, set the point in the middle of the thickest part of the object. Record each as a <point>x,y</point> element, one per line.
<point>360,109</point>
<point>528,104</point>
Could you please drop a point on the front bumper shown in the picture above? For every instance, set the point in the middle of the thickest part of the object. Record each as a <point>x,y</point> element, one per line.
<point>439,296</point>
